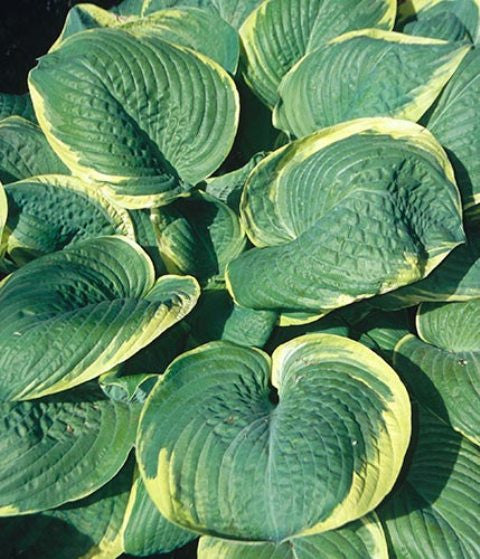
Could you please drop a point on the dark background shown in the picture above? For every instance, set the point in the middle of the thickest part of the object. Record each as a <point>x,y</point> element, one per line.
<point>27,30</point>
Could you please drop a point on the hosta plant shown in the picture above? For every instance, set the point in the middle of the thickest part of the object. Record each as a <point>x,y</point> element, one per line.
<point>240,283</point>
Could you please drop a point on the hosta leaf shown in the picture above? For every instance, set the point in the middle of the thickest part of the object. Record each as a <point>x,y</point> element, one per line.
<point>229,187</point>
<point>218,455</point>
<point>16,105</point>
<point>279,32</point>
<point>389,74</point>
<point>466,11</point>
<point>454,121</point>
<point>145,530</point>
<point>381,331</point>
<point>444,25</point>
<point>443,365</point>
<point>72,315</point>
<point>435,510</point>
<point>24,151</point>
<point>132,90</point>
<point>216,317</point>
<point>348,213</point>
<point>456,279</point>
<point>362,539</point>
<point>233,11</point>
<point>145,235</point>
<point>61,448</point>
<point>48,213</point>
<point>87,528</point>
<point>3,216</point>
<point>201,30</point>
<point>198,235</point>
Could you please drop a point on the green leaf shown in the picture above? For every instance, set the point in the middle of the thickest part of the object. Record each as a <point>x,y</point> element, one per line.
<point>232,11</point>
<point>87,528</point>
<point>424,11</point>
<point>280,32</point>
<point>132,90</point>
<point>435,510</point>
<point>61,448</point>
<point>72,315</point>
<point>143,223</point>
<point>48,213</point>
<point>454,121</point>
<point>333,223</point>
<point>362,539</point>
<point>444,25</point>
<point>3,217</point>
<point>229,187</point>
<point>201,30</point>
<point>220,457</point>
<point>457,278</point>
<point>24,151</point>
<point>16,105</point>
<point>216,317</point>
<point>389,74</point>
<point>198,235</point>
<point>145,530</point>
<point>444,364</point>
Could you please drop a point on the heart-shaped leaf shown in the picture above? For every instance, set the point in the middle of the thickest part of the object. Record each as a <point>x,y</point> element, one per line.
<point>220,457</point>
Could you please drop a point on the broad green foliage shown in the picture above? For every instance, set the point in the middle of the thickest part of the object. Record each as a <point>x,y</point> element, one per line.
<point>279,32</point>
<point>443,363</point>
<point>48,213</point>
<point>89,528</point>
<point>437,15</point>
<point>457,279</point>
<point>454,120</point>
<point>24,151</point>
<point>232,11</point>
<point>198,235</point>
<point>72,315</point>
<point>435,510</point>
<point>98,77</point>
<point>16,105</point>
<point>61,448</point>
<point>389,74</point>
<point>231,462</point>
<point>200,30</point>
<point>305,384</point>
<point>146,531</point>
<point>362,539</point>
<point>216,317</point>
<point>316,217</point>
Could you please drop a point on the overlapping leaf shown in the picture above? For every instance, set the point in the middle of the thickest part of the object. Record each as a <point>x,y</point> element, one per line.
<point>16,105</point>
<point>61,448</point>
<point>89,528</point>
<point>72,315</point>
<point>414,14</point>
<point>24,151</point>
<point>228,461</point>
<point>149,145</point>
<point>443,364</point>
<point>435,509</point>
<point>280,32</point>
<point>454,120</point>
<point>389,74</point>
<point>362,539</point>
<point>198,235</point>
<point>201,30</point>
<point>345,214</point>
<point>48,213</point>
